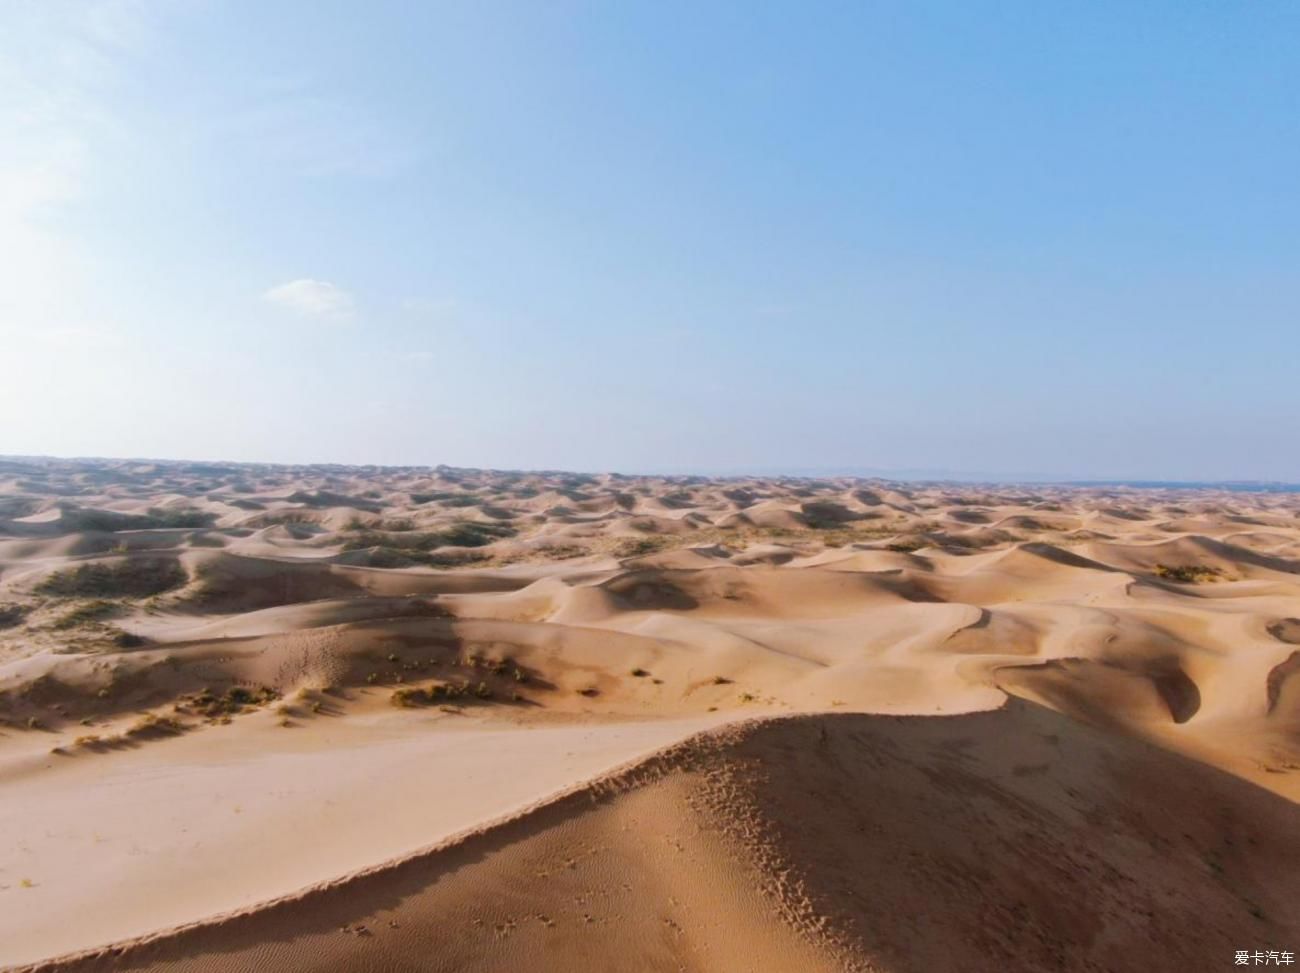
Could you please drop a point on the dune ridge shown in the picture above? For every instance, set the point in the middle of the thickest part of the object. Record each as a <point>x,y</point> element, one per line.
<point>745,791</point>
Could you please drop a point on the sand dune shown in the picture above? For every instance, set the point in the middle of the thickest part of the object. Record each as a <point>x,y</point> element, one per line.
<point>829,842</point>
<point>249,710</point>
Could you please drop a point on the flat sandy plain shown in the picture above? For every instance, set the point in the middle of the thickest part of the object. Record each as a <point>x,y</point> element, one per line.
<point>361,719</point>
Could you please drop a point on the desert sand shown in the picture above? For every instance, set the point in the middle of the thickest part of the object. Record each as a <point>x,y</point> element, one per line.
<point>373,719</point>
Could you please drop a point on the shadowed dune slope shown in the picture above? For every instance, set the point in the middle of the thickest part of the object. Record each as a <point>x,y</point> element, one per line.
<point>1009,840</point>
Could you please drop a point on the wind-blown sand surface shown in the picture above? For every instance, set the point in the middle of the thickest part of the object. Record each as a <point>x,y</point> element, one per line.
<point>324,718</point>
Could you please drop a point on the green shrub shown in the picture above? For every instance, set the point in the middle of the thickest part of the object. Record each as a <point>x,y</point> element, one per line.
<point>461,501</point>
<point>469,534</point>
<point>180,517</point>
<point>155,726</point>
<point>234,700</point>
<point>409,696</point>
<point>129,578</point>
<point>11,615</point>
<point>411,544</point>
<point>84,614</point>
<point>637,546</point>
<point>412,696</point>
<point>906,546</point>
<point>1188,573</point>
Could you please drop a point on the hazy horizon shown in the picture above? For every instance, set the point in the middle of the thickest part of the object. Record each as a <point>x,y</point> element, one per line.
<point>902,476</point>
<point>897,236</point>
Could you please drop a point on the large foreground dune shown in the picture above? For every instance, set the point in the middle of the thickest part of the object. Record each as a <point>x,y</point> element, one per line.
<point>396,719</point>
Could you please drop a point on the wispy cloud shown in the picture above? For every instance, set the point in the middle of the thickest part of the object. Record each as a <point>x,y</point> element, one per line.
<point>56,60</point>
<point>312,298</point>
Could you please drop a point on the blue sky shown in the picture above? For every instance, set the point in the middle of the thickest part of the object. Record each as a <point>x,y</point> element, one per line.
<point>1003,237</point>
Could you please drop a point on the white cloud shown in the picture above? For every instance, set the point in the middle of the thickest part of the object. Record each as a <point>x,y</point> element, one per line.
<point>312,298</point>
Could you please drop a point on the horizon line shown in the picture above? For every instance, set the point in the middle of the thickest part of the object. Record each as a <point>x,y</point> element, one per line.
<point>904,475</point>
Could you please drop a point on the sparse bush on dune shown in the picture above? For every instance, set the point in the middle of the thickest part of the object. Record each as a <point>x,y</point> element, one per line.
<point>389,557</point>
<point>103,520</point>
<point>1188,573</point>
<point>412,696</point>
<point>12,615</point>
<point>448,497</point>
<point>563,552</point>
<point>824,515</point>
<point>217,705</point>
<point>841,535</point>
<point>473,534</point>
<point>88,612</point>
<point>154,725</point>
<point>639,546</point>
<point>410,543</point>
<point>736,536</point>
<point>907,545</point>
<point>291,518</point>
<point>453,559</point>
<point>446,692</point>
<point>126,578</point>
<point>461,501</point>
<point>157,518</point>
<point>179,517</point>
<point>403,549</point>
<point>150,726</point>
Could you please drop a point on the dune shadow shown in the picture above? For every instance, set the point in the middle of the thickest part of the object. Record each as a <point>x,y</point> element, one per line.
<point>1015,840</point>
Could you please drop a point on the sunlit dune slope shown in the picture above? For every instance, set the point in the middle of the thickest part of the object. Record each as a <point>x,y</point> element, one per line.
<point>1016,839</point>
